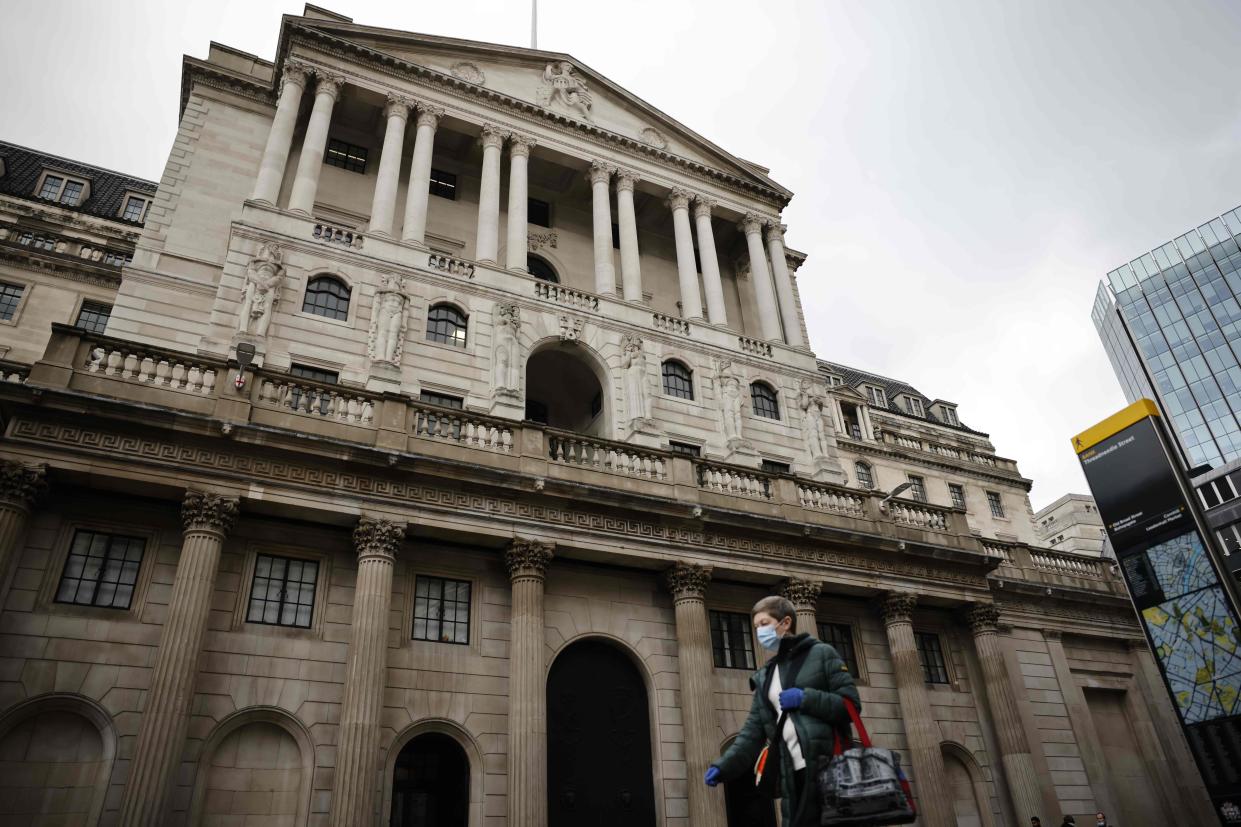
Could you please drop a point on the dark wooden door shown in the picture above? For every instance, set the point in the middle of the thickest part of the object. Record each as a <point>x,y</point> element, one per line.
<point>431,784</point>
<point>598,741</point>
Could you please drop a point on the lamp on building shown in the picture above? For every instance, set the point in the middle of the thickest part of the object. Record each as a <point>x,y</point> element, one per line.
<point>245,357</point>
<point>883,504</point>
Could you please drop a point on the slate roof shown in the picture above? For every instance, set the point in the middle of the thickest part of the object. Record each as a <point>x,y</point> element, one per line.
<point>22,167</point>
<point>892,388</point>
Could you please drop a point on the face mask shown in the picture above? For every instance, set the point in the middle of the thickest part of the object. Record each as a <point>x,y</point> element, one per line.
<point>768,637</point>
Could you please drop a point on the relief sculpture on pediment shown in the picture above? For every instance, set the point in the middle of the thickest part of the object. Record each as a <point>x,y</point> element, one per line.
<point>563,89</point>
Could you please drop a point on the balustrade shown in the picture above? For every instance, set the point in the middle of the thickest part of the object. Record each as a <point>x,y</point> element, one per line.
<point>136,364</point>
<point>604,455</point>
<point>453,266</point>
<point>835,500</point>
<point>1002,553</point>
<point>918,516</point>
<point>566,296</point>
<point>465,429</point>
<point>317,400</point>
<point>338,235</point>
<point>670,324</point>
<point>1062,563</point>
<point>755,346</point>
<point>727,479</point>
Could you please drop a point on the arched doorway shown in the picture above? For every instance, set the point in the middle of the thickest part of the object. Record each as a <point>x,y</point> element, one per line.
<point>598,740</point>
<point>563,391</point>
<point>742,803</point>
<point>431,783</point>
<point>540,269</point>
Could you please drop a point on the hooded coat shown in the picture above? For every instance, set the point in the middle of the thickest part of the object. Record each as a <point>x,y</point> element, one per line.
<point>825,680</point>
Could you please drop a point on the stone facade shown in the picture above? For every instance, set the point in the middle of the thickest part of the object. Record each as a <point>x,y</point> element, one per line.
<point>269,589</point>
<point>1071,524</point>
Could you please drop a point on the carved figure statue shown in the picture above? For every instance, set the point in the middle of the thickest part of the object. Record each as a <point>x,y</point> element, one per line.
<point>264,275</point>
<point>816,418</point>
<point>562,86</point>
<point>730,399</point>
<point>633,363</point>
<point>507,350</point>
<point>387,335</point>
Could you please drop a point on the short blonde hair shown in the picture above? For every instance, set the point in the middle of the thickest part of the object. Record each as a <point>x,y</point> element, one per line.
<point>779,608</point>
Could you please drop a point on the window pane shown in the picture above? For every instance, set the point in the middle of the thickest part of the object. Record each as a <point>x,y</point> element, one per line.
<point>71,193</point>
<point>444,184</point>
<point>10,296</point>
<point>133,208</point>
<point>100,570</point>
<point>678,381</point>
<point>840,636</point>
<point>730,640</point>
<point>763,400</point>
<point>864,477</point>
<point>441,610</point>
<point>327,297</point>
<point>51,186</point>
<point>346,156</point>
<point>283,591</point>
<point>446,325</point>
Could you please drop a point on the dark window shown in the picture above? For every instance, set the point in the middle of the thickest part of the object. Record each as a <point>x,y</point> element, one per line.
<point>93,316</point>
<point>864,476</point>
<point>117,259</point>
<point>442,610</point>
<point>538,212</point>
<point>536,411</point>
<point>101,570</point>
<point>950,416</point>
<point>917,488</point>
<point>763,399</point>
<point>958,495</point>
<point>615,236</point>
<point>51,186</point>
<point>773,467</point>
<point>44,242</point>
<point>134,207</point>
<point>346,156</point>
<point>685,449</point>
<point>446,325</point>
<point>678,380</point>
<point>444,184</point>
<point>877,396</point>
<point>840,636</point>
<point>931,655</point>
<point>997,507</point>
<point>10,296</point>
<point>283,593</point>
<point>331,377</point>
<point>541,270</point>
<point>25,238</point>
<point>328,297</point>
<point>731,640</point>
<point>441,399</point>
<point>71,193</point>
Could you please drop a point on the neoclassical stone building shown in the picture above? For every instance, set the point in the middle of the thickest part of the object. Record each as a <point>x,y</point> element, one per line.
<point>453,410</point>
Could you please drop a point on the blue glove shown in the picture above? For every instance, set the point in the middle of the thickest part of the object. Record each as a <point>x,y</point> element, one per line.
<point>712,777</point>
<point>791,699</point>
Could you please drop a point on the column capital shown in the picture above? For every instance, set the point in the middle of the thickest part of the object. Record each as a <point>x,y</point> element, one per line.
<point>528,558</point>
<point>625,179</point>
<point>804,594</point>
<point>328,82</point>
<point>429,115</point>
<point>398,105</point>
<point>703,206</point>
<point>205,511</point>
<point>493,136</point>
<point>520,145</point>
<point>774,231</point>
<point>983,618</point>
<point>601,172</point>
<point>374,537</point>
<point>295,71</point>
<point>22,484</point>
<point>678,198</point>
<point>897,607</point>
<point>752,223</point>
<point>687,581</point>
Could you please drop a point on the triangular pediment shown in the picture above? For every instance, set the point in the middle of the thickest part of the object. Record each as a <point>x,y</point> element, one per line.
<point>848,394</point>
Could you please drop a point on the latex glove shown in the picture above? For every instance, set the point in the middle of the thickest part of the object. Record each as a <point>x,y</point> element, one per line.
<point>791,699</point>
<point>712,777</point>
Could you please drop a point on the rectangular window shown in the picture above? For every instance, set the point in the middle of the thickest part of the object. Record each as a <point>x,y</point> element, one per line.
<point>134,208</point>
<point>877,396</point>
<point>51,187</point>
<point>10,297</point>
<point>917,488</point>
<point>346,156</point>
<point>685,449</point>
<point>931,655</point>
<point>731,640</point>
<point>441,610</point>
<point>773,467</point>
<point>442,399</point>
<point>1230,539</point>
<point>101,570</point>
<point>997,507</point>
<point>950,416</point>
<point>117,259</point>
<point>914,406</point>
<point>444,184</point>
<point>840,636</point>
<point>538,212</point>
<point>93,316</point>
<point>957,493</point>
<point>283,592</point>
<point>330,377</point>
<point>71,193</point>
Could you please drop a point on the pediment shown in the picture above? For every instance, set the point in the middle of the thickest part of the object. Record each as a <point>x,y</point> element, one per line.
<point>848,394</point>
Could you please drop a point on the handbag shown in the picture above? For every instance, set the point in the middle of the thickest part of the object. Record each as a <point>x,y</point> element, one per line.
<point>863,785</point>
<point>767,767</point>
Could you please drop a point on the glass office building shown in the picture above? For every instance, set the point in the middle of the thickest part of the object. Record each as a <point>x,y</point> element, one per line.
<point>1171,321</point>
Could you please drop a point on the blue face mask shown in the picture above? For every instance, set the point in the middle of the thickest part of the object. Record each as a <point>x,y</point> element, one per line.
<point>768,637</point>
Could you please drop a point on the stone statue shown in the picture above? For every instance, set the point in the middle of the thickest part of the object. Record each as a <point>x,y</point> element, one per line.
<point>816,419</point>
<point>730,402</point>
<point>264,276</point>
<point>562,86</point>
<point>507,357</point>
<point>387,335</point>
<point>633,363</point>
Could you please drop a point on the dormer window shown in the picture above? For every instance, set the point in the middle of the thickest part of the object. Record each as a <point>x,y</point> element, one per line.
<point>877,397</point>
<point>833,381</point>
<point>950,416</point>
<point>62,189</point>
<point>914,406</point>
<point>134,208</point>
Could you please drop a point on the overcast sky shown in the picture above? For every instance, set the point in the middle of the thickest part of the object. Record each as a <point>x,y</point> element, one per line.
<point>965,170</point>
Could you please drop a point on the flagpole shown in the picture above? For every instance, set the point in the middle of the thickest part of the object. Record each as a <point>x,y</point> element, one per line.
<point>534,24</point>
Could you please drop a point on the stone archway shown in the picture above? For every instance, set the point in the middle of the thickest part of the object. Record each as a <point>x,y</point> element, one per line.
<point>967,789</point>
<point>565,389</point>
<point>431,783</point>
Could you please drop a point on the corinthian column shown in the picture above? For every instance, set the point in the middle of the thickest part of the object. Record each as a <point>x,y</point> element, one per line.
<point>687,273</point>
<point>601,216</point>
<point>518,226</point>
<point>419,190</point>
<point>486,248</point>
<point>527,562</point>
<point>357,753</point>
<point>710,262</point>
<point>921,730</point>
<point>207,518</point>
<point>784,285</point>
<point>314,144</point>
<point>389,177</point>
<point>280,138</point>
<point>627,224</point>
<point>804,595</point>
<point>983,620</point>
<point>20,486</point>
<point>688,585</point>
<point>764,296</point>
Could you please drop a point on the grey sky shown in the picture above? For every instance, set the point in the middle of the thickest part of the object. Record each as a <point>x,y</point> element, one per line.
<point>965,171</point>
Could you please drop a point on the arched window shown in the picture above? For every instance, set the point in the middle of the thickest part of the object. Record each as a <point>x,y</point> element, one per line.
<point>540,269</point>
<point>678,380</point>
<point>864,476</point>
<point>763,399</point>
<point>446,325</point>
<point>327,296</point>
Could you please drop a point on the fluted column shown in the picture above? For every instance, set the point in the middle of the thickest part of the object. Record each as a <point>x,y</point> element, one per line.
<point>20,486</point>
<point>527,562</point>
<point>206,518</point>
<point>280,138</point>
<point>687,273</point>
<point>627,223</point>
<point>711,283</point>
<point>1019,772</point>
<point>314,143</point>
<point>486,248</point>
<point>601,213</point>
<point>804,595</point>
<point>688,585</point>
<point>921,730</point>
<point>383,205</point>
<point>357,753</point>
<point>784,285</point>
<point>414,229</point>
<point>518,226</point>
<point>764,295</point>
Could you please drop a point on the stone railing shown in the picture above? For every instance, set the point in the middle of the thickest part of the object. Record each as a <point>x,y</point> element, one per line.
<point>343,236</point>
<point>605,455</point>
<point>756,347</point>
<point>566,296</point>
<point>670,324</point>
<point>918,515</point>
<point>943,450</point>
<point>453,266</point>
<point>1063,563</point>
<point>134,363</point>
<point>906,442</point>
<point>831,499</point>
<point>731,479</point>
<point>460,427</point>
<point>999,552</point>
<point>315,399</point>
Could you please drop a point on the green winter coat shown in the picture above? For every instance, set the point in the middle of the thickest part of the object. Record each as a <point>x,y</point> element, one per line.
<point>825,680</point>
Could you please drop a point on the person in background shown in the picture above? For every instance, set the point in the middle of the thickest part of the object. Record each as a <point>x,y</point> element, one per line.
<point>1035,821</point>
<point>1100,820</point>
<point>1068,822</point>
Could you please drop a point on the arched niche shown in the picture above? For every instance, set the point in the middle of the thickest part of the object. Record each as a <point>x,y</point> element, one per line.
<point>445,728</point>
<point>967,788</point>
<point>568,387</point>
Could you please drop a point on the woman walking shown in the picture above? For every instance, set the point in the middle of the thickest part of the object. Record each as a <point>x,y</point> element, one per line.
<point>813,698</point>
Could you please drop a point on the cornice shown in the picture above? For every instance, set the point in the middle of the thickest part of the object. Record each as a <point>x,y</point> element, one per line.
<point>194,70</point>
<point>70,270</point>
<point>968,469</point>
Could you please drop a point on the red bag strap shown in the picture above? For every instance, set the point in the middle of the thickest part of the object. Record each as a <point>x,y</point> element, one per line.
<point>856,719</point>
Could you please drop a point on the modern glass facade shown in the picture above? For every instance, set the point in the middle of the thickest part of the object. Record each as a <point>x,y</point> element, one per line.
<point>1171,320</point>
